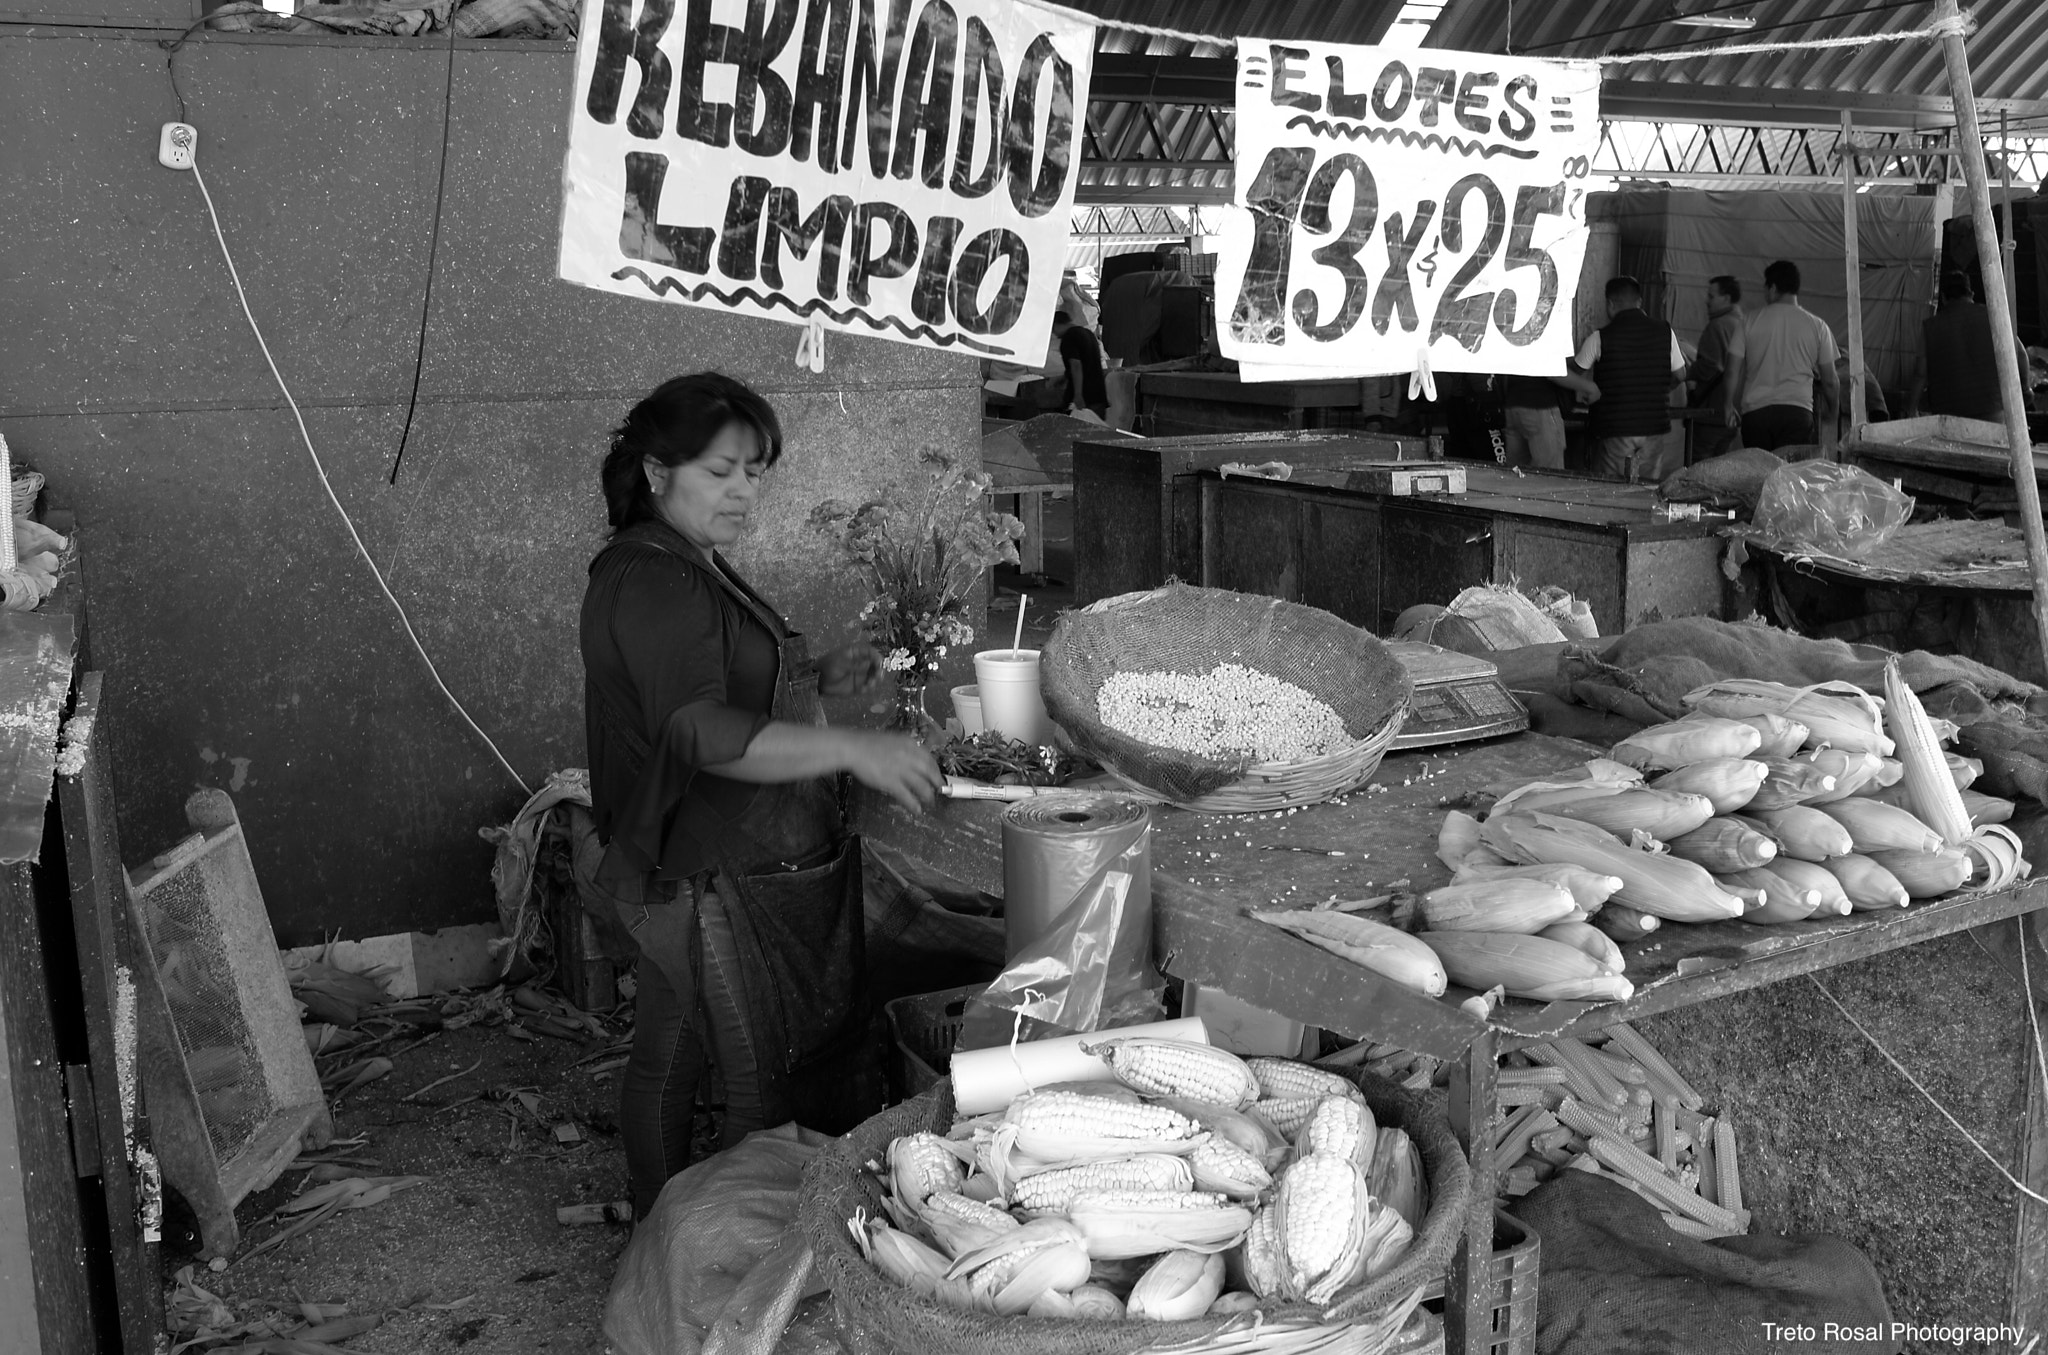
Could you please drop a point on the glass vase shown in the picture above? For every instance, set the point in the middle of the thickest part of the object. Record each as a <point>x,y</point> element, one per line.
<point>908,713</point>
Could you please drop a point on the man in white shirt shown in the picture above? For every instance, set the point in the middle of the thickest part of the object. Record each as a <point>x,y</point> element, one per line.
<point>1788,355</point>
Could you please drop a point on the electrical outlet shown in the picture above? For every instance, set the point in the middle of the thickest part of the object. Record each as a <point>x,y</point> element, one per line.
<point>177,146</point>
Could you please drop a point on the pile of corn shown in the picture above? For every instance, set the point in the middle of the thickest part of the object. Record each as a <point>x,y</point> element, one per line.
<point>1228,714</point>
<point>1620,1111</point>
<point>1195,1183</point>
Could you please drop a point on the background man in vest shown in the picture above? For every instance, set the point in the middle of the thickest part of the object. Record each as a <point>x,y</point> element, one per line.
<point>1789,357</point>
<point>1720,352</point>
<point>1958,370</point>
<point>1635,361</point>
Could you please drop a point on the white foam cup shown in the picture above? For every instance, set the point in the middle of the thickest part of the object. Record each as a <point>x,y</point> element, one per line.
<point>967,708</point>
<point>1010,703</point>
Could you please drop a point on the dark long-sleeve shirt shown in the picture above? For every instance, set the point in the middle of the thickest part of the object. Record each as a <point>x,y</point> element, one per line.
<point>679,675</point>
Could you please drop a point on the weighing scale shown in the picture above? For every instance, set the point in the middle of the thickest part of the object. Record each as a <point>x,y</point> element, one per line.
<point>1458,698</point>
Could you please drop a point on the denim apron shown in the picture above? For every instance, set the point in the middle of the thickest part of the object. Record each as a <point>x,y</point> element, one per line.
<point>790,886</point>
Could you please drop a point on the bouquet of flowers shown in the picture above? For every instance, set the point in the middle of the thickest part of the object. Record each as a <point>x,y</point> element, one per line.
<point>921,556</point>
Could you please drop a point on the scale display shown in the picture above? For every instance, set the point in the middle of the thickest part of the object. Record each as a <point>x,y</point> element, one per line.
<point>1458,698</point>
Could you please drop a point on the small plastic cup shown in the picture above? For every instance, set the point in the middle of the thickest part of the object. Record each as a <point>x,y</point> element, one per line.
<point>967,708</point>
<point>1007,680</point>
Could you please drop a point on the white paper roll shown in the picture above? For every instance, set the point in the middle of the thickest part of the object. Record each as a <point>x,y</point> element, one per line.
<point>989,1079</point>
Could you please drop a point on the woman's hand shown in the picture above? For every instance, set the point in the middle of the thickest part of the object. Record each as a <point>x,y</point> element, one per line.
<point>850,670</point>
<point>896,765</point>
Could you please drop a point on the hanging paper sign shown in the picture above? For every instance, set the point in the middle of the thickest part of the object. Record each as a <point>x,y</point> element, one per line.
<point>1402,206</point>
<point>891,168</point>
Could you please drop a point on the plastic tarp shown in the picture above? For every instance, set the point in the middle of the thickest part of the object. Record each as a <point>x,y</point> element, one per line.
<point>1674,241</point>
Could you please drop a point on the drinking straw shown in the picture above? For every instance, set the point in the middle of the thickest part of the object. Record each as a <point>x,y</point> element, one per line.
<point>1017,640</point>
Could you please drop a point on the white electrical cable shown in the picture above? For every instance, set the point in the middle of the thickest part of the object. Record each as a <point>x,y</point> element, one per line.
<point>321,470</point>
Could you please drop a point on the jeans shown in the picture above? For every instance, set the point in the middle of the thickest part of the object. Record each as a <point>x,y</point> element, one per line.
<point>1534,437</point>
<point>1775,426</point>
<point>1645,459</point>
<point>674,1041</point>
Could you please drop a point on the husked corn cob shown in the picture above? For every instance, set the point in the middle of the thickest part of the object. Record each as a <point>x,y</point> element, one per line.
<point>1012,1271</point>
<point>1287,1114</point>
<point>1590,889</point>
<point>1084,1117</point>
<point>1929,785</point>
<point>900,1256</point>
<point>1051,1192</point>
<point>1873,826</point>
<point>1180,1285</point>
<point>1226,1169</point>
<point>1265,1260</point>
<point>1288,1079</point>
<point>1926,875</point>
<point>1199,1072</point>
<point>1870,887</point>
<point>1814,876</point>
<point>1526,966</point>
<point>1247,1130</point>
<point>1804,833</point>
<point>1728,782</point>
<point>1497,906</point>
<point>1392,954</point>
<point>1683,742</point>
<point>1789,781</point>
<point>1585,937</point>
<point>921,1165</point>
<point>1322,1207</point>
<point>1660,813</point>
<point>1835,713</point>
<point>961,1225</point>
<point>1783,901</point>
<point>1341,1127</point>
<point>1724,845</point>
<point>1652,882</point>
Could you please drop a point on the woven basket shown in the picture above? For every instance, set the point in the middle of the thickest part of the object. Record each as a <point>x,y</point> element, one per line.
<point>879,1317</point>
<point>1180,629</point>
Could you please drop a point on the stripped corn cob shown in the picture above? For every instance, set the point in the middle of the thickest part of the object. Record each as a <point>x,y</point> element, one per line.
<point>1584,1074</point>
<point>921,1165</point>
<point>1727,1180</point>
<point>1323,1211</point>
<point>1079,1116</point>
<point>1265,1261</point>
<point>1728,782</point>
<point>1199,1072</point>
<point>1141,1201</point>
<point>1637,1166</point>
<point>1289,1079</point>
<point>1287,1115</point>
<point>1387,952</point>
<point>1052,1192</point>
<point>1663,1077</point>
<point>1341,1127</point>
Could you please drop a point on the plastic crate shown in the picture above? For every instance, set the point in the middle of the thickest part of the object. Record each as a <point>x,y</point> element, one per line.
<point>1511,1275</point>
<point>925,1028</point>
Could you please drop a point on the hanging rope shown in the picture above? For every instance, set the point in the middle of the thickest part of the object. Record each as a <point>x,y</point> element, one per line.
<point>2016,1183</point>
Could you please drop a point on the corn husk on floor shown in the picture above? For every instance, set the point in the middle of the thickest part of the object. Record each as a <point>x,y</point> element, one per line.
<point>1141,1199</point>
<point>1614,1107</point>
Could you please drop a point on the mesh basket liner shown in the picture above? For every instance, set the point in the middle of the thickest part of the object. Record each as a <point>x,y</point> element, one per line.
<point>878,1315</point>
<point>1183,629</point>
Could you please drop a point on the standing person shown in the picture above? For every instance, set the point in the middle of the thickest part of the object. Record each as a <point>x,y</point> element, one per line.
<point>1957,370</point>
<point>1081,356</point>
<point>714,787</point>
<point>1635,361</point>
<point>1532,432</point>
<point>1720,354</point>
<point>1788,358</point>
<point>1075,302</point>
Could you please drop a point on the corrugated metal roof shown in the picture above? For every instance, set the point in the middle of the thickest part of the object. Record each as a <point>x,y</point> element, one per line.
<point>1318,20</point>
<point>2008,52</point>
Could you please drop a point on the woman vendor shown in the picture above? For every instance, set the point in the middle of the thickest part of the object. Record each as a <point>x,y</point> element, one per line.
<point>715,787</point>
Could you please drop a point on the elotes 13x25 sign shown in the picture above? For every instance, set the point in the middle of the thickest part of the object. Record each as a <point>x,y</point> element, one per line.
<point>895,169</point>
<point>1396,202</point>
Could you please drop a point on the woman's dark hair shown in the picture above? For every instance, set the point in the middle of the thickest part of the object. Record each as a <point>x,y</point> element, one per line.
<point>674,425</point>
